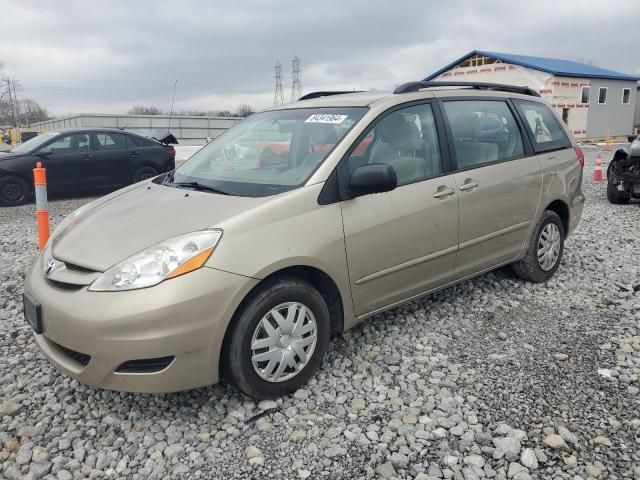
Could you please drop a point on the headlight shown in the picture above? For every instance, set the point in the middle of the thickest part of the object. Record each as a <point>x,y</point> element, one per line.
<point>168,259</point>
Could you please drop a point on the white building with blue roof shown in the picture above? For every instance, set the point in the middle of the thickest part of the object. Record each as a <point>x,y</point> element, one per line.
<point>593,101</point>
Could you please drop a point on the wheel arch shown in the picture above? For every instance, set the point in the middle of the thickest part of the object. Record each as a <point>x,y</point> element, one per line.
<point>10,173</point>
<point>562,209</point>
<point>319,279</point>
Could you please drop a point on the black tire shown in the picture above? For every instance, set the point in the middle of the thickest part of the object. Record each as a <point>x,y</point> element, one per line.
<point>529,267</point>
<point>237,366</point>
<point>144,173</point>
<point>614,195</point>
<point>13,191</point>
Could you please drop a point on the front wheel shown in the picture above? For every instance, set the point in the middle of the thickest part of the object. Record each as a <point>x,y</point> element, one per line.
<point>277,341</point>
<point>544,250</point>
<point>13,191</point>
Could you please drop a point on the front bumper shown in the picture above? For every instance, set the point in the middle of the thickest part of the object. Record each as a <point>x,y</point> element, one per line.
<point>185,318</point>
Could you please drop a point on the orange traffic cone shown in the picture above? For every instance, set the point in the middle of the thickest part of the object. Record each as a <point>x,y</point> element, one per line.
<point>597,171</point>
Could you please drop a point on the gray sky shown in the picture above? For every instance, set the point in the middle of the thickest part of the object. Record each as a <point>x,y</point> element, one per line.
<point>87,56</point>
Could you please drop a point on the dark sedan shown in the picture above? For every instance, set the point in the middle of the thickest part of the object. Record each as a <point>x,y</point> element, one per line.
<point>82,160</point>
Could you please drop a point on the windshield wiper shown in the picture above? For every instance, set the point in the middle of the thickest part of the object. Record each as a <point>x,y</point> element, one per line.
<point>196,186</point>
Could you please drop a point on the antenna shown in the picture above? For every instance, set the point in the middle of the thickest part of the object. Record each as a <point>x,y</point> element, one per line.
<point>175,85</point>
<point>296,86</point>
<point>278,98</point>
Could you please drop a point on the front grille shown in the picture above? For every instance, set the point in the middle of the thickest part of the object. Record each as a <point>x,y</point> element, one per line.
<point>64,285</point>
<point>81,358</point>
<point>78,268</point>
<point>147,365</point>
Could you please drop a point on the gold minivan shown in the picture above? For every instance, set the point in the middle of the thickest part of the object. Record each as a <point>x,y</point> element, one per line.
<point>295,225</point>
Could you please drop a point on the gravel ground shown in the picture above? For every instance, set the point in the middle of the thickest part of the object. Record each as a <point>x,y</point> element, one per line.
<point>494,378</point>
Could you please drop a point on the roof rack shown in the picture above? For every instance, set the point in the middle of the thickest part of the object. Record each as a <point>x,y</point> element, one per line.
<point>498,87</point>
<point>311,95</point>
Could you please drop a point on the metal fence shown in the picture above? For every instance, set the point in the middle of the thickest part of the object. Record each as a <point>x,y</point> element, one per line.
<point>188,130</point>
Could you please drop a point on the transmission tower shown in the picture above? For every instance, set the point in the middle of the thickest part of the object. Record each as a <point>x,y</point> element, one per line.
<point>278,98</point>
<point>296,86</point>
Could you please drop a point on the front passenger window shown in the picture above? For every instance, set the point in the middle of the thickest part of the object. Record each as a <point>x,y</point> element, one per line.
<point>78,142</point>
<point>483,132</point>
<point>407,140</point>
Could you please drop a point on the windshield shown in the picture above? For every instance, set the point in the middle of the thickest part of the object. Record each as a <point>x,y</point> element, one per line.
<point>35,143</point>
<point>268,153</point>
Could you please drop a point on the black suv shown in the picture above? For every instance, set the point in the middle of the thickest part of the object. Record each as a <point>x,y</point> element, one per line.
<point>83,160</point>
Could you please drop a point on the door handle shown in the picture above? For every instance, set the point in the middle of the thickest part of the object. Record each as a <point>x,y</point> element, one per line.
<point>87,156</point>
<point>134,154</point>
<point>445,192</point>
<point>468,185</point>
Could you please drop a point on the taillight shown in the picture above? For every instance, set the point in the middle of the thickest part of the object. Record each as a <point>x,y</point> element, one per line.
<point>580,155</point>
<point>172,151</point>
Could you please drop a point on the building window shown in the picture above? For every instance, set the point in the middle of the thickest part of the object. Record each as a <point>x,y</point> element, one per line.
<point>584,95</point>
<point>602,95</point>
<point>477,61</point>
<point>626,96</point>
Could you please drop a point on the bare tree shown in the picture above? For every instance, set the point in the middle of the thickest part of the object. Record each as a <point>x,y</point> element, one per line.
<point>32,112</point>
<point>224,113</point>
<point>244,110</point>
<point>145,110</point>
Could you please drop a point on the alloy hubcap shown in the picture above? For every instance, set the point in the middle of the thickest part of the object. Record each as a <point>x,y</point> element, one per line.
<point>283,342</point>
<point>549,246</point>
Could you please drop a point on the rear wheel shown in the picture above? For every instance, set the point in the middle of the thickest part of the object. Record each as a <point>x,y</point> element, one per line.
<point>144,173</point>
<point>614,195</point>
<point>13,191</point>
<point>544,251</point>
<point>278,340</point>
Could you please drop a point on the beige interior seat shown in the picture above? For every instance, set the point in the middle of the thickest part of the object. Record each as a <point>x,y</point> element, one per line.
<point>466,130</point>
<point>401,147</point>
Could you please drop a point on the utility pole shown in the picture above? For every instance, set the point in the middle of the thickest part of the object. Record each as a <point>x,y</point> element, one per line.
<point>15,99</point>
<point>278,98</point>
<point>15,110</point>
<point>296,86</point>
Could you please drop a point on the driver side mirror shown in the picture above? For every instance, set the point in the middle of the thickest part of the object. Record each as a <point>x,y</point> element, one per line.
<point>373,178</point>
<point>632,138</point>
<point>44,151</point>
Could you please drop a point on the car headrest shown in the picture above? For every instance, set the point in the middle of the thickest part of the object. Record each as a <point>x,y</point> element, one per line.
<point>401,134</point>
<point>466,126</point>
<point>323,134</point>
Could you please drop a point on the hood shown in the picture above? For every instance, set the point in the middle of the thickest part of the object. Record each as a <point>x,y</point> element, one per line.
<point>127,223</point>
<point>8,156</point>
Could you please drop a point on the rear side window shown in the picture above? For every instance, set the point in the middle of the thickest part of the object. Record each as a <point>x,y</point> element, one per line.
<point>111,141</point>
<point>482,132</point>
<point>543,127</point>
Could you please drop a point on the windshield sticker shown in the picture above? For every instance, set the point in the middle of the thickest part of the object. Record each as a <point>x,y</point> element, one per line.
<point>326,118</point>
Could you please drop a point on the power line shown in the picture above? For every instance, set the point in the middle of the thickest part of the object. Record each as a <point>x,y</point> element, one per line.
<point>296,85</point>
<point>278,98</point>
